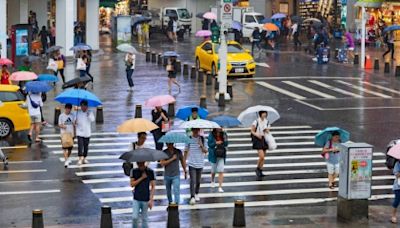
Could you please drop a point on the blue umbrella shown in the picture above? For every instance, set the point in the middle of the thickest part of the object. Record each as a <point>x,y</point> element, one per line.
<point>174,137</point>
<point>278,16</point>
<point>81,47</point>
<point>325,135</point>
<point>37,87</point>
<point>227,121</point>
<point>75,96</point>
<point>47,78</point>
<point>185,112</point>
<point>266,20</point>
<point>170,54</point>
<point>391,28</point>
<point>236,25</point>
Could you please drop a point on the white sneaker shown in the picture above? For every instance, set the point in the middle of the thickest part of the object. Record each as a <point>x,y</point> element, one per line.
<point>315,59</point>
<point>192,201</point>
<point>213,184</point>
<point>220,190</point>
<point>85,161</point>
<point>79,162</point>
<point>66,163</point>
<point>197,197</point>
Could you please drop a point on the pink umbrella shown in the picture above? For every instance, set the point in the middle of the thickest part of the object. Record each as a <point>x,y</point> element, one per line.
<point>5,61</point>
<point>23,76</point>
<point>395,151</point>
<point>203,33</point>
<point>159,101</point>
<point>210,16</point>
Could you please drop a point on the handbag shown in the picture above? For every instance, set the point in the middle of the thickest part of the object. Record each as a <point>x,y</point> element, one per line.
<point>270,140</point>
<point>80,65</point>
<point>170,68</point>
<point>166,126</point>
<point>220,151</point>
<point>33,104</point>
<point>52,65</point>
<point>60,64</point>
<point>67,140</point>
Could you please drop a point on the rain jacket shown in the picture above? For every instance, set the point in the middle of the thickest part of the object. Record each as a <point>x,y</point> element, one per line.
<point>212,144</point>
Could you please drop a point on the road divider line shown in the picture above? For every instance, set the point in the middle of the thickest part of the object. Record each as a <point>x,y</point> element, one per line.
<point>282,91</point>
<point>14,147</point>
<point>23,171</point>
<point>30,192</point>
<point>309,90</point>
<point>335,89</point>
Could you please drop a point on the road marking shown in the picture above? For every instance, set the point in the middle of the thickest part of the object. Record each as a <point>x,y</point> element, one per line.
<point>263,65</point>
<point>27,181</point>
<point>29,192</point>
<point>335,89</point>
<point>282,91</point>
<point>13,147</point>
<point>23,162</point>
<point>23,171</point>
<point>362,89</point>
<point>309,90</point>
<point>382,88</point>
<point>296,77</point>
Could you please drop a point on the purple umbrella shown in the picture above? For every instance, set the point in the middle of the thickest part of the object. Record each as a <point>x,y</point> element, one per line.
<point>203,33</point>
<point>236,25</point>
<point>278,16</point>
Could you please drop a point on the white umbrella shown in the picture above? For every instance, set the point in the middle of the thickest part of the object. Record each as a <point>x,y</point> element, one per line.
<point>126,48</point>
<point>312,19</point>
<point>248,116</point>
<point>201,124</point>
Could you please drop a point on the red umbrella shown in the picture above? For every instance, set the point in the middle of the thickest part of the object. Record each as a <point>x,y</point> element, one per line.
<point>5,61</point>
<point>23,76</point>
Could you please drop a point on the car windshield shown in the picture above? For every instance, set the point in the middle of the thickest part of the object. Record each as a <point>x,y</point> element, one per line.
<point>11,96</point>
<point>232,48</point>
<point>183,13</point>
<point>259,18</point>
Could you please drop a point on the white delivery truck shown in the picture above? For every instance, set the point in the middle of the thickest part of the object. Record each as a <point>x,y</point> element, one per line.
<point>163,15</point>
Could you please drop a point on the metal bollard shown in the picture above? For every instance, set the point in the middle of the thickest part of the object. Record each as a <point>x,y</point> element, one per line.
<point>37,218</point>
<point>209,78</point>
<point>138,111</point>
<point>171,110</point>
<point>387,67</point>
<point>159,59</point>
<point>147,56</point>
<point>153,57</point>
<point>200,76</point>
<point>239,217</point>
<point>99,115</point>
<point>57,113</point>
<point>178,63</point>
<point>336,52</point>
<point>229,90</point>
<point>185,69</point>
<point>203,102</point>
<point>221,100</point>
<point>397,73</point>
<point>193,72</point>
<point>216,83</point>
<point>356,59</point>
<point>173,216</point>
<point>106,218</point>
<point>376,64</point>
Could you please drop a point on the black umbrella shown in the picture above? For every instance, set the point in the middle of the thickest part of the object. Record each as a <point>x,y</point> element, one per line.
<point>31,58</point>
<point>54,48</point>
<point>143,155</point>
<point>200,15</point>
<point>76,81</point>
<point>296,18</point>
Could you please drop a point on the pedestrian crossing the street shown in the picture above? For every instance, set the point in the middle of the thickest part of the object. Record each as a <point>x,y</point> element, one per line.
<point>295,172</point>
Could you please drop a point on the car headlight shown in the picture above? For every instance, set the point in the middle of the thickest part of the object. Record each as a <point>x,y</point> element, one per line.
<point>251,62</point>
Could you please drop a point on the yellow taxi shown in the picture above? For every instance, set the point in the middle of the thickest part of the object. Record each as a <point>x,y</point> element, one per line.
<point>14,114</point>
<point>240,62</point>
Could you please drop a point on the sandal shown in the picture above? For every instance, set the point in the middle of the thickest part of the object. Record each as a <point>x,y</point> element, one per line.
<point>393,220</point>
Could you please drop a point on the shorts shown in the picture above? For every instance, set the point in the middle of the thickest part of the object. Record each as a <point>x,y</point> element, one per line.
<point>36,119</point>
<point>332,168</point>
<point>218,167</point>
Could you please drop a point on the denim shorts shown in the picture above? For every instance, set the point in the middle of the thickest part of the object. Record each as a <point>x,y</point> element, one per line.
<point>332,168</point>
<point>218,167</point>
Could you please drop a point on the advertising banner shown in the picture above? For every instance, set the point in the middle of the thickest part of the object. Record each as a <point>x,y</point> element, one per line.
<point>360,173</point>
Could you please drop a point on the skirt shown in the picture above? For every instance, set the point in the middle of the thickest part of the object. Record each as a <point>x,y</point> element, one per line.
<point>259,144</point>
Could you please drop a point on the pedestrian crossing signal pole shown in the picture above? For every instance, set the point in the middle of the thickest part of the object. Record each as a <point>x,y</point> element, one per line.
<point>363,22</point>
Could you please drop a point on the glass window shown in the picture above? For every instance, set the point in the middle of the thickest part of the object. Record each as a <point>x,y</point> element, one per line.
<point>249,19</point>
<point>183,13</point>
<point>259,18</point>
<point>232,48</point>
<point>11,96</point>
<point>207,47</point>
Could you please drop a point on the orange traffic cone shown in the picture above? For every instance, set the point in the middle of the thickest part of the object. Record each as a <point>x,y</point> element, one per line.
<point>368,62</point>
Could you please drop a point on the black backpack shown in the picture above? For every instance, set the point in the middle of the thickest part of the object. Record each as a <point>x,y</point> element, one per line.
<point>128,166</point>
<point>390,161</point>
<point>220,150</point>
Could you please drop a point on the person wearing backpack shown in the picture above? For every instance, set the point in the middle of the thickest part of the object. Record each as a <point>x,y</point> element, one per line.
<point>396,191</point>
<point>258,130</point>
<point>194,155</point>
<point>389,40</point>
<point>34,101</point>
<point>217,143</point>
<point>331,154</point>
<point>139,144</point>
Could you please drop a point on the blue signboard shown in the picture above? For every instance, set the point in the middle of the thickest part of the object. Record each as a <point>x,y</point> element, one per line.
<point>21,41</point>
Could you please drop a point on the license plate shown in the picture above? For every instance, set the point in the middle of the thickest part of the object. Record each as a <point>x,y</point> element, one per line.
<point>239,70</point>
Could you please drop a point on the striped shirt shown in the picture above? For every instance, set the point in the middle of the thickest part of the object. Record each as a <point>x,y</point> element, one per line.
<point>195,155</point>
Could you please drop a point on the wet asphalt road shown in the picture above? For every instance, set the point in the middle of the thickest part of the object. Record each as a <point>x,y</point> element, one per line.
<point>365,103</point>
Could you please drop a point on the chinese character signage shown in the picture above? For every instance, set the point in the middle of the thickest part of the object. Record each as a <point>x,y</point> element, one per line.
<point>360,173</point>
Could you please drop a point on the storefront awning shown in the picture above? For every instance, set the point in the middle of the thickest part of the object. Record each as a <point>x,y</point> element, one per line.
<point>369,3</point>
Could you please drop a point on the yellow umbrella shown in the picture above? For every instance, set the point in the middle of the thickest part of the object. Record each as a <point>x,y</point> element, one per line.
<point>136,125</point>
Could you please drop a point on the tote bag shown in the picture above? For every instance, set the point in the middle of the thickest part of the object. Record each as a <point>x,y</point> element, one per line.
<point>52,65</point>
<point>80,65</point>
<point>67,140</point>
<point>270,140</point>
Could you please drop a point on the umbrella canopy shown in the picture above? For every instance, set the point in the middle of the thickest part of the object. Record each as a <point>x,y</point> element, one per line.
<point>53,49</point>
<point>170,54</point>
<point>210,16</point>
<point>226,121</point>
<point>81,47</point>
<point>76,81</point>
<point>37,87</point>
<point>136,125</point>
<point>266,20</point>
<point>394,151</point>
<point>312,19</point>
<point>185,112</point>
<point>174,137</point>
<point>144,155</point>
<point>31,58</point>
<point>200,15</point>
<point>391,28</point>
<point>23,76</point>
<point>159,101</point>
<point>325,135</point>
<point>278,16</point>
<point>126,48</point>
<point>236,25</point>
<point>47,78</point>
<point>201,124</point>
<point>75,96</point>
<point>203,33</point>
<point>296,18</point>
<point>141,19</point>
<point>270,27</point>
<point>5,61</point>
<point>248,116</point>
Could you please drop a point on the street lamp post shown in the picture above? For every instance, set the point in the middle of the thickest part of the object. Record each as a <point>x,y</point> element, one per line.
<point>363,21</point>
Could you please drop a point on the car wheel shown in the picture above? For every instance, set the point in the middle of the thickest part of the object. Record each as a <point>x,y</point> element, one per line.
<point>197,63</point>
<point>5,128</point>
<point>213,69</point>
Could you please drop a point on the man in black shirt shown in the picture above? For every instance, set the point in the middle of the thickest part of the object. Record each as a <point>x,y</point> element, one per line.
<point>159,116</point>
